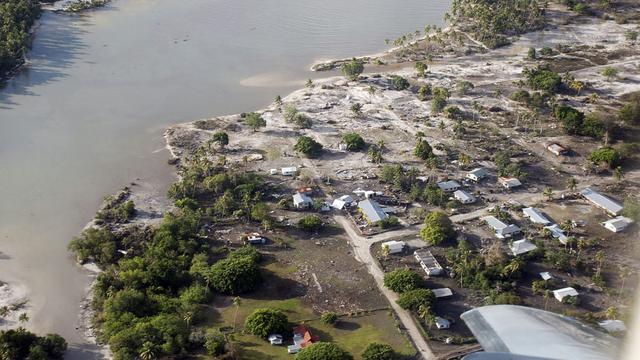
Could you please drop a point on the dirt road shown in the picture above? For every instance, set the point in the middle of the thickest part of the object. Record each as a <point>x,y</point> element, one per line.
<point>362,250</point>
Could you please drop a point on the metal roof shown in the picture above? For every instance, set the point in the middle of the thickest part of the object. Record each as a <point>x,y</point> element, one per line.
<point>448,185</point>
<point>602,201</point>
<point>463,196</point>
<point>522,246</point>
<point>535,333</point>
<point>536,216</point>
<point>372,210</point>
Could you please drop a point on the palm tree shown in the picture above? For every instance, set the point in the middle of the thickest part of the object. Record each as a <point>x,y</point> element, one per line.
<point>23,318</point>
<point>4,311</point>
<point>609,73</point>
<point>425,314</point>
<point>188,318</point>
<point>625,272</point>
<point>577,86</point>
<point>548,193</point>
<point>546,296</point>
<point>600,262</point>
<point>236,302</point>
<point>618,174</point>
<point>572,184</point>
<point>148,351</point>
<point>356,109</point>
<point>611,313</point>
<point>385,251</point>
<point>309,83</point>
<point>371,90</point>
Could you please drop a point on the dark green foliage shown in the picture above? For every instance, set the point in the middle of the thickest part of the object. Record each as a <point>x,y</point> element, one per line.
<point>531,54</point>
<point>437,229</point>
<point>490,20</point>
<point>544,79</point>
<point>353,141</point>
<point>606,155</point>
<point>423,150</point>
<point>329,318</point>
<point>402,280</point>
<point>504,298</point>
<point>352,69</point>
<point>310,223</point>
<point>323,351</point>
<point>399,83</point>
<point>571,119</point>
<point>214,342</point>
<point>264,322</point>
<point>389,222</point>
<point>16,18</point>
<point>454,113</point>
<point>98,245</point>
<point>254,121</point>
<point>546,51</point>
<point>630,112</point>
<point>414,299</point>
<point>117,210</point>
<point>438,103</point>
<point>19,344</point>
<point>221,138</point>
<point>308,147</point>
<point>433,195</point>
<point>376,351</point>
<point>246,252</point>
<point>235,275</point>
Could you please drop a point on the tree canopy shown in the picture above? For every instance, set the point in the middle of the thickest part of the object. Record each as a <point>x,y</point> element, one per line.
<point>323,351</point>
<point>254,121</point>
<point>307,146</point>
<point>402,280</point>
<point>353,69</point>
<point>437,229</point>
<point>353,141</point>
<point>377,351</point>
<point>414,299</point>
<point>264,322</point>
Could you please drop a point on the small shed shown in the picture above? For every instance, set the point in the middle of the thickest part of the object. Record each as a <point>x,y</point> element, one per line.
<point>545,275</point>
<point>302,201</point>
<point>618,224</point>
<point>394,246</point>
<point>560,294</point>
<point>442,323</point>
<point>501,229</point>
<point>509,182</point>
<point>289,171</point>
<point>477,174</point>
<point>557,149</point>
<point>256,239</point>
<point>442,292</point>
<point>464,197</point>
<point>275,339</point>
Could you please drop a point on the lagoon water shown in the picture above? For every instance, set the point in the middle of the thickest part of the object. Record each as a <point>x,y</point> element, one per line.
<point>85,118</point>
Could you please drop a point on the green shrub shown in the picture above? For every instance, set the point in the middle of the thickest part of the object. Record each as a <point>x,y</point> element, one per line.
<point>402,280</point>
<point>264,322</point>
<point>323,351</point>
<point>308,147</point>
<point>353,141</point>
<point>376,351</point>
<point>543,79</point>
<point>214,342</point>
<point>329,318</point>
<point>399,83</point>
<point>235,275</point>
<point>310,223</point>
<point>414,299</point>
<point>437,229</point>
<point>353,69</point>
<point>606,155</point>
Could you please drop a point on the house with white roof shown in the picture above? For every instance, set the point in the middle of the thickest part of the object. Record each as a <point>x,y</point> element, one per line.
<point>302,201</point>
<point>501,229</point>
<point>535,216</point>
<point>560,294</point>
<point>617,224</point>
<point>557,233</point>
<point>477,174</point>
<point>449,186</point>
<point>289,171</point>
<point>509,182</point>
<point>603,202</point>
<point>342,202</point>
<point>372,211</point>
<point>545,275</point>
<point>521,247</point>
<point>428,262</point>
<point>613,326</point>
<point>464,197</point>
<point>394,246</point>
